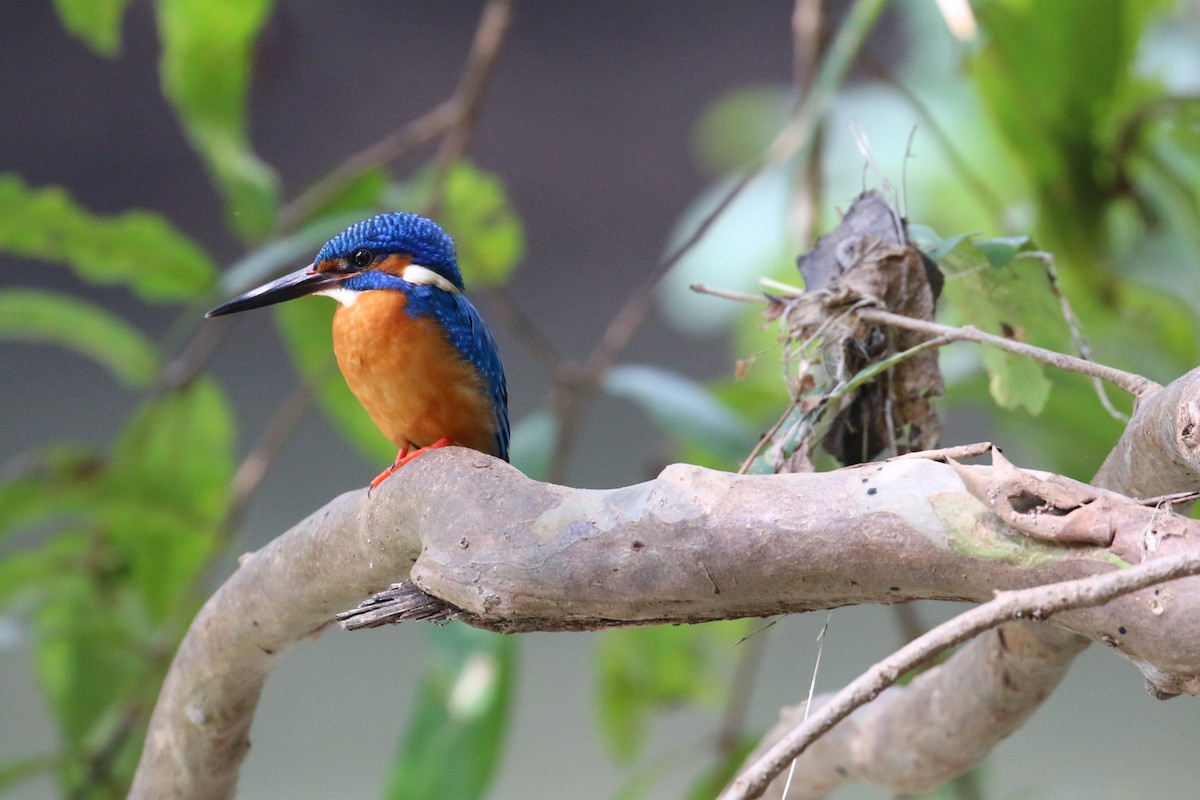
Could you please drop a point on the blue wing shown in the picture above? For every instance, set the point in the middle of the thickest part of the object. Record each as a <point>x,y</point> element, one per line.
<point>471,337</point>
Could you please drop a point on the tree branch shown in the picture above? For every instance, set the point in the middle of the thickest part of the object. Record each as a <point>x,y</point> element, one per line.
<point>1159,451</point>
<point>513,554</point>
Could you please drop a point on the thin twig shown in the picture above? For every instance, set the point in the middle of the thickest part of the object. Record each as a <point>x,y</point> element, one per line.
<point>812,690</point>
<point>1132,383</point>
<point>1039,602</point>
<point>397,145</point>
<point>1082,346</point>
<point>279,430</point>
<point>959,163</point>
<point>767,437</point>
<point>728,294</point>
<point>180,370</point>
<point>741,687</point>
<point>524,329</point>
<point>468,96</point>
<point>807,51</point>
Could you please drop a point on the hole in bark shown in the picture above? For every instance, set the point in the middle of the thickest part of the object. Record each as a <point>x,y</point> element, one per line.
<point>1122,630</point>
<point>872,490</point>
<point>1028,502</point>
<point>637,545</point>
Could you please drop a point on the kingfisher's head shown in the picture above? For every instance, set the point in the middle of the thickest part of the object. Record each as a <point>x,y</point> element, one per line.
<point>389,251</point>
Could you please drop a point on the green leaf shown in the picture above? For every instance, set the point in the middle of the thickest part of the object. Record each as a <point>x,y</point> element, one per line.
<point>457,730</point>
<point>738,127</point>
<point>58,482</point>
<point>205,71</point>
<point>1059,80</point>
<point>683,408</point>
<point>167,491</point>
<point>1002,290</point>
<point>306,327</point>
<point>365,191</point>
<point>15,772</point>
<point>749,240</point>
<point>94,671</point>
<point>33,315</point>
<point>97,22</point>
<point>476,211</point>
<point>644,670</point>
<point>178,450</point>
<point>33,571</point>
<point>137,248</point>
<point>718,776</point>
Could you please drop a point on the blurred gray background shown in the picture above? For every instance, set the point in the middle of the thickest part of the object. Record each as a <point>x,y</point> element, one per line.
<point>589,122</point>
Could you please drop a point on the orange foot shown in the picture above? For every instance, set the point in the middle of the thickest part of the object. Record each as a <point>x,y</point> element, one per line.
<point>402,458</point>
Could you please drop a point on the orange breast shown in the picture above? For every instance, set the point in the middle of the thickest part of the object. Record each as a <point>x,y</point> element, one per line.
<point>414,385</point>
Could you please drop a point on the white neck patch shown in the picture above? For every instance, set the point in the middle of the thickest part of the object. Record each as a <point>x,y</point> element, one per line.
<point>340,293</point>
<point>415,273</point>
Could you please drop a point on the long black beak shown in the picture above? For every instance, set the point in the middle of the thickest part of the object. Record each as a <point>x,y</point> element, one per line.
<point>304,281</point>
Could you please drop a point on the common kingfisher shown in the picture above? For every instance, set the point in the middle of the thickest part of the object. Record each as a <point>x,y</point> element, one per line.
<point>412,348</point>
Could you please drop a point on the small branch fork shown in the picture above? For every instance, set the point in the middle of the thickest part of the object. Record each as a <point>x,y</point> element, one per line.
<point>1038,603</point>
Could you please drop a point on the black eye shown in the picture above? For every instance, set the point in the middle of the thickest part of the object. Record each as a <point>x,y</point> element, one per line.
<point>361,258</point>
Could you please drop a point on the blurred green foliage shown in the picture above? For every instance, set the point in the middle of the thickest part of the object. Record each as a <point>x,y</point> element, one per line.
<point>207,55</point>
<point>1049,125</point>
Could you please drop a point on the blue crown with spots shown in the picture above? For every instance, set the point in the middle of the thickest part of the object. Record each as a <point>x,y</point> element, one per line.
<point>399,232</point>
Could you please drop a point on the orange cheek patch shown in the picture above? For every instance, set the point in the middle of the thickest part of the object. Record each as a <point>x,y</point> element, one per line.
<point>394,264</point>
<point>328,265</point>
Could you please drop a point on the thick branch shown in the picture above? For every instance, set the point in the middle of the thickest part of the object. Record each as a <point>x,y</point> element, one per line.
<point>286,591</point>
<point>1159,452</point>
<point>692,545</point>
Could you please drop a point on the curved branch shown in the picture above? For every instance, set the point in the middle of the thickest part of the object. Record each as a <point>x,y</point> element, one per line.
<point>692,545</point>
